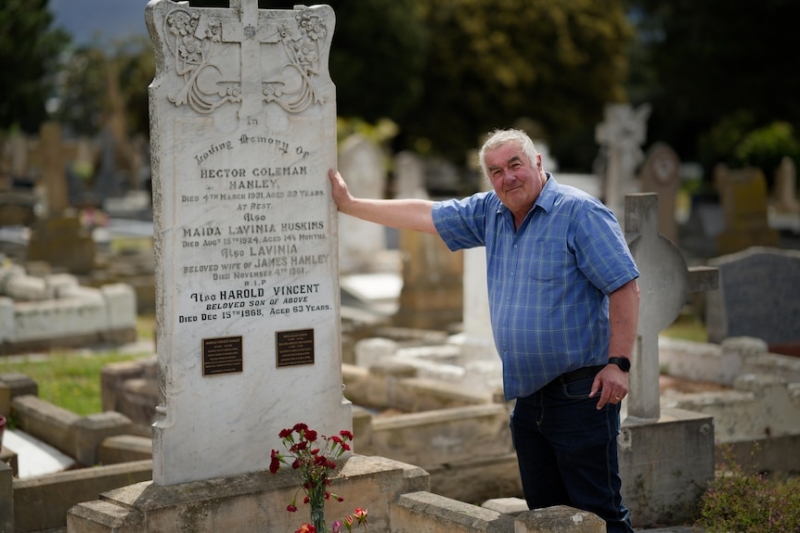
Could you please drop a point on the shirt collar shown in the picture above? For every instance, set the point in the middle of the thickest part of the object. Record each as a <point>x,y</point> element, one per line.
<point>545,200</point>
<point>547,197</point>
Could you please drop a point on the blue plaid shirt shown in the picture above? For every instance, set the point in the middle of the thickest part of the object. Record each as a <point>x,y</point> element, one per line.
<point>548,281</point>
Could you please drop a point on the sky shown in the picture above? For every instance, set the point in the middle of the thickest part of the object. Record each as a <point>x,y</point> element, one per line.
<point>108,19</point>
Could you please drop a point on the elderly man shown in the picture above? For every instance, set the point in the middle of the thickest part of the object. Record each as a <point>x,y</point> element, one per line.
<point>564,308</point>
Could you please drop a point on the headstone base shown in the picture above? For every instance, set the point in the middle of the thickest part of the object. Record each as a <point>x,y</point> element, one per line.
<point>248,503</point>
<point>662,483</point>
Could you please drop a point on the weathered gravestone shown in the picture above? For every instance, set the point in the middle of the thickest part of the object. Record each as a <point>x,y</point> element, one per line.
<point>363,164</point>
<point>660,174</point>
<point>58,238</point>
<point>666,457</point>
<point>664,283</point>
<point>785,190</point>
<point>622,132</point>
<point>758,296</point>
<point>432,293</point>
<point>243,133</point>
<point>743,194</point>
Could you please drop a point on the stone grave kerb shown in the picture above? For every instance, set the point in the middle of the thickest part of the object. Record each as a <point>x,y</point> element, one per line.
<point>243,132</point>
<point>664,284</point>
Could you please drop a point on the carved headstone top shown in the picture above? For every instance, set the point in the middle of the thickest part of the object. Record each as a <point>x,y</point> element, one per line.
<point>243,132</point>
<point>622,132</point>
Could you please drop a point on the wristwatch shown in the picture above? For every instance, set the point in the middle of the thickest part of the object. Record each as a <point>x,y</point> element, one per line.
<point>623,363</point>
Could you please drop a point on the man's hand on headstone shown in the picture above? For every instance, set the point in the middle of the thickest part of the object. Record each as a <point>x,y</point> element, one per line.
<point>341,195</point>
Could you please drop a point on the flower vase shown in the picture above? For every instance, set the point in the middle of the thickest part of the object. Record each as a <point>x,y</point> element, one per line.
<point>316,499</point>
<point>318,518</point>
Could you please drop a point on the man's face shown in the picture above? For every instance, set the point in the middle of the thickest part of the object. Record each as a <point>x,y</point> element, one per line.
<point>516,180</point>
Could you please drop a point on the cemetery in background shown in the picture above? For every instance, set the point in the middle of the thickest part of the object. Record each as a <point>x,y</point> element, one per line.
<point>268,303</point>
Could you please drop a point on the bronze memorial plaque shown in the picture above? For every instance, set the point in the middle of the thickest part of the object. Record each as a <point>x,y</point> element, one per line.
<point>294,347</point>
<point>223,355</point>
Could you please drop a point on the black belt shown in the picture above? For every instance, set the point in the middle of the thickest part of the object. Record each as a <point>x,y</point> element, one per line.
<point>581,373</point>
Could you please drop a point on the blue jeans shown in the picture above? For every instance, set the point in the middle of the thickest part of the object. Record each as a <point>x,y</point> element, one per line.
<point>567,451</point>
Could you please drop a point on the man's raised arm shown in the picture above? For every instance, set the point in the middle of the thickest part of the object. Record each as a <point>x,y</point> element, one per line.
<point>409,213</point>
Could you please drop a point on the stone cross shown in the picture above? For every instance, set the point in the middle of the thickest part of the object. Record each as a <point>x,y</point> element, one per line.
<point>250,34</point>
<point>664,285</point>
<point>245,233</point>
<point>54,155</point>
<point>622,131</point>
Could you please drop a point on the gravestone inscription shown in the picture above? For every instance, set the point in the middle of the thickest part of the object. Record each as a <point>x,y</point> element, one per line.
<point>243,132</point>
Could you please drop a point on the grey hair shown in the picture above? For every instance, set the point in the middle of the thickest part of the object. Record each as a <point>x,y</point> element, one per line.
<point>499,138</point>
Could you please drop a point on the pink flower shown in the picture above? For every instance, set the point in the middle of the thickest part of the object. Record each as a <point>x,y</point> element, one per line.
<point>336,527</point>
<point>360,515</point>
<point>306,528</point>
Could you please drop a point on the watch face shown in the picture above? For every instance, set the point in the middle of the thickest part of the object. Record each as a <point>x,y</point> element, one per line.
<point>622,362</point>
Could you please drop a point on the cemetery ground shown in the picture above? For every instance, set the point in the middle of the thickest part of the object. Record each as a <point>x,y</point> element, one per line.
<point>70,379</point>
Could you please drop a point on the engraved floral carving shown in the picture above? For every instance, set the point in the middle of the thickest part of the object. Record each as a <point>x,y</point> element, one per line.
<point>192,56</point>
<point>302,46</point>
<point>194,53</point>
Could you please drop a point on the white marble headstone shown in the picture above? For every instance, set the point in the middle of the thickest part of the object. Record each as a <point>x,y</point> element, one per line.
<point>243,131</point>
<point>623,131</point>
<point>363,165</point>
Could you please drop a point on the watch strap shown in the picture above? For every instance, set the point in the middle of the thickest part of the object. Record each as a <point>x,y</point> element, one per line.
<point>622,362</point>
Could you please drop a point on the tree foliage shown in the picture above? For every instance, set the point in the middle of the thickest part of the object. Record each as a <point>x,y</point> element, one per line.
<point>84,94</point>
<point>29,51</point>
<point>717,63</point>
<point>491,62</point>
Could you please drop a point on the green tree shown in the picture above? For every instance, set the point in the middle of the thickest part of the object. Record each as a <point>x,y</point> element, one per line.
<point>491,62</point>
<point>29,52</point>
<point>715,62</point>
<point>85,95</point>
